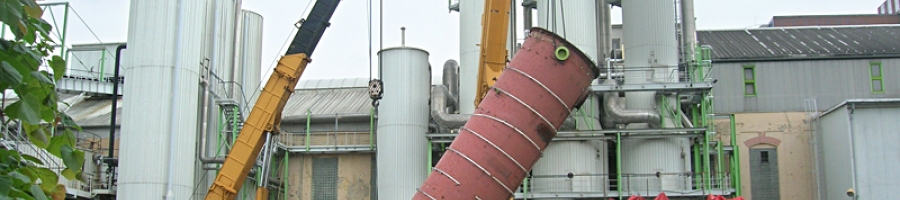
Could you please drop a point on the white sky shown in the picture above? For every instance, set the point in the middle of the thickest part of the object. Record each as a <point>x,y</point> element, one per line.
<point>343,50</point>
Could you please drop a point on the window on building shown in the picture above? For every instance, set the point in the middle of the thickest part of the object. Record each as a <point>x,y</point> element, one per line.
<point>875,73</point>
<point>749,80</point>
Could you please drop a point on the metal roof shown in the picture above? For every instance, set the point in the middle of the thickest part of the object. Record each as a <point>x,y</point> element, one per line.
<point>328,101</point>
<point>861,101</point>
<point>802,42</point>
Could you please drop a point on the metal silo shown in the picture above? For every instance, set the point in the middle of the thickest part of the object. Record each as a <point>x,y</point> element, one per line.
<point>223,45</point>
<point>403,116</point>
<point>248,62</point>
<point>651,56</point>
<point>576,21</point>
<point>469,37</point>
<point>158,144</point>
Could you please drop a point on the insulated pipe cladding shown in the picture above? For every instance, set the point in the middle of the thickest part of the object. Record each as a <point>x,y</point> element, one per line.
<point>520,115</point>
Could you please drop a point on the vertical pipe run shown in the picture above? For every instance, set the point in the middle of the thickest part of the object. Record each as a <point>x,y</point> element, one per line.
<point>284,178</point>
<point>372,129</point>
<point>308,113</point>
<point>735,159</point>
<point>719,165</point>
<point>115,102</point>
<point>619,164</point>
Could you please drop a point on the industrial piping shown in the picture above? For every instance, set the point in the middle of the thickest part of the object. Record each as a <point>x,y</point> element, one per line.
<point>439,98</point>
<point>514,123</point>
<point>627,116</point>
<point>451,81</point>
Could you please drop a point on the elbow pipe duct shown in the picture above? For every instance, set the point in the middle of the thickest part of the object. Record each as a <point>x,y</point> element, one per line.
<point>514,123</point>
<point>439,98</point>
<point>620,115</point>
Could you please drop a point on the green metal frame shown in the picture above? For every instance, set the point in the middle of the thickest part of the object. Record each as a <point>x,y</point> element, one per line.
<point>873,78</point>
<point>285,184</point>
<point>749,81</point>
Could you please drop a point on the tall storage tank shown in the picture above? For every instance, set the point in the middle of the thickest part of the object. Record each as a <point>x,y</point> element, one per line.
<point>249,58</point>
<point>584,160</point>
<point>402,122</point>
<point>577,22</point>
<point>651,56</point>
<point>469,37</point>
<point>223,46</point>
<point>158,144</point>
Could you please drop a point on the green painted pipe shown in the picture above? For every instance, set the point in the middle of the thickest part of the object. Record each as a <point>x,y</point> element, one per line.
<point>719,166</point>
<point>735,159</point>
<point>525,187</point>
<point>308,115</point>
<point>696,156</point>
<point>285,177</point>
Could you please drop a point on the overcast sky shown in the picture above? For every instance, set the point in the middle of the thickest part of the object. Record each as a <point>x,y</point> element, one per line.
<point>343,51</point>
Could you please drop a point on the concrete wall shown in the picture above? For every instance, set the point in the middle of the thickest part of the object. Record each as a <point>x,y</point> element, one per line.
<point>789,133</point>
<point>354,175</point>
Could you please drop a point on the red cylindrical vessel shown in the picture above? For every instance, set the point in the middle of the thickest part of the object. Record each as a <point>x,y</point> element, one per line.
<point>505,136</point>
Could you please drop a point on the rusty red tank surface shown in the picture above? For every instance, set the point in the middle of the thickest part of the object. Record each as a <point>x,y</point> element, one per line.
<point>514,123</point>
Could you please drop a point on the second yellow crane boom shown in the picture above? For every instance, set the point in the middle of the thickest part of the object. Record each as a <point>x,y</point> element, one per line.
<point>493,57</point>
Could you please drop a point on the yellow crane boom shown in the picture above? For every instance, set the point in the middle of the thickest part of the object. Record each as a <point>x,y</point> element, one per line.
<point>494,30</point>
<point>266,113</point>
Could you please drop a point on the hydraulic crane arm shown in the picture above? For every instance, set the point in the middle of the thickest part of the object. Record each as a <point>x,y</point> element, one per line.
<point>494,30</point>
<point>266,114</point>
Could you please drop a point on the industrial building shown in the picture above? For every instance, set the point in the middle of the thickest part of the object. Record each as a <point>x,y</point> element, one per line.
<point>672,110</point>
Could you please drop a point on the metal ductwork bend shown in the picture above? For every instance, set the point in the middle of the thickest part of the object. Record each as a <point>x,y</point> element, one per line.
<point>620,115</point>
<point>489,159</point>
<point>439,98</point>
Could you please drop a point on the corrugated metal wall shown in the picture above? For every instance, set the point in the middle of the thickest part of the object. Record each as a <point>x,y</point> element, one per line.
<point>835,161</point>
<point>875,139</point>
<point>782,86</point>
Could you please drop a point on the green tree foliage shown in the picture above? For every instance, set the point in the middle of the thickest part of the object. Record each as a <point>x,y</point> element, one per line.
<point>23,176</point>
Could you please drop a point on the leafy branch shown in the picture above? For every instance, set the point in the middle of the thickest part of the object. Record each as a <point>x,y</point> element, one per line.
<point>24,176</point>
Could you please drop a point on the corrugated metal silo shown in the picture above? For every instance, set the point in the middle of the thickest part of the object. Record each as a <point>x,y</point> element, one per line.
<point>651,53</point>
<point>158,144</point>
<point>223,46</point>
<point>248,63</point>
<point>402,122</point>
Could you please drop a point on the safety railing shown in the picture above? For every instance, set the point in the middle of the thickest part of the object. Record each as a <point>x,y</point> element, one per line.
<point>325,139</point>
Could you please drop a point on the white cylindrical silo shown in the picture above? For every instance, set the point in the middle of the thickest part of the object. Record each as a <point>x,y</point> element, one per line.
<point>577,22</point>
<point>470,13</point>
<point>651,53</point>
<point>248,61</point>
<point>584,160</point>
<point>574,20</point>
<point>223,35</point>
<point>158,145</point>
<point>402,122</point>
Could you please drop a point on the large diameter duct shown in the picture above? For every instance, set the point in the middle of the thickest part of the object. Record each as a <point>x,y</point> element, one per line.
<point>166,41</point>
<point>451,82</point>
<point>688,28</point>
<point>517,119</point>
<point>403,122</point>
<point>652,49</point>
<point>249,58</point>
